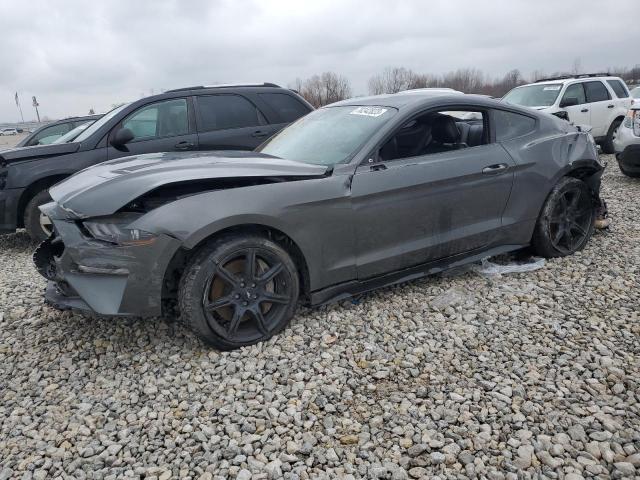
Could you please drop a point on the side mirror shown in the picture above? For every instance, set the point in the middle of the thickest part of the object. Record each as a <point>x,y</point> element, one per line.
<point>569,102</point>
<point>564,115</point>
<point>121,138</point>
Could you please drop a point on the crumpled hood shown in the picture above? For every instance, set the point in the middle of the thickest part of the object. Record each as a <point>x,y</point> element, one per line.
<point>39,151</point>
<point>105,188</point>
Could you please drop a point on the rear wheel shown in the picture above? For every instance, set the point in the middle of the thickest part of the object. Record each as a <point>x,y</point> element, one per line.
<point>239,290</point>
<point>567,220</point>
<point>627,172</point>
<point>38,225</point>
<point>607,146</point>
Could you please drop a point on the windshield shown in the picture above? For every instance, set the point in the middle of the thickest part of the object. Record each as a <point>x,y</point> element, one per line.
<point>70,136</point>
<point>538,95</point>
<point>94,127</point>
<point>329,135</point>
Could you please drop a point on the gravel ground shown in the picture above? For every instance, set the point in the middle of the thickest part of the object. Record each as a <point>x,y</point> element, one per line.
<point>531,375</point>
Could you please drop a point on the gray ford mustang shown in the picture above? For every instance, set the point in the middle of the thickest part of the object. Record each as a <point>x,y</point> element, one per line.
<point>356,195</point>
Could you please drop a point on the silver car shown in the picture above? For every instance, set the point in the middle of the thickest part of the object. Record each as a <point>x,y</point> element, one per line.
<point>627,143</point>
<point>354,196</point>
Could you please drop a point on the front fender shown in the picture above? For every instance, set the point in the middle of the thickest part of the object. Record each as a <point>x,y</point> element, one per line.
<point>315,214</point>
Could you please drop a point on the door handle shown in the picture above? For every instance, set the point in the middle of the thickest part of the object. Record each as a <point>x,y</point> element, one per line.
<point>259,134</point>
<point>493,169</point>
<point>584,110</point>
<point>184,145</point>
<point>609,106</point>
<point>378,167</point>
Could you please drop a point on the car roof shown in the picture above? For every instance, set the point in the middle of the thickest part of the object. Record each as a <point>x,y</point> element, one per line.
<point>573,79</point>
<point>411,99</point>
<point>202,89</point>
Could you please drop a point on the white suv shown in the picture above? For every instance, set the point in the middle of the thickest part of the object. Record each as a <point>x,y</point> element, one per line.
<point>598,100</point>
<point>8,131</point>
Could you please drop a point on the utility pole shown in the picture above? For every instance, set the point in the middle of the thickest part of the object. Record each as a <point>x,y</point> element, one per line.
<point>36,105</point>
<point>19,107</point>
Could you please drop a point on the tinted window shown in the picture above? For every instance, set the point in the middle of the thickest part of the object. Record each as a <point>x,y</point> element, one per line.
<point>218,112</point>
<point>50,134</point>
<point>436,132</point>
<point>287,106</point>
<point>162,119</point>
<point>596,92</point>
<point>618,88</point>
<point>510,125</point>
<point>575,91</point>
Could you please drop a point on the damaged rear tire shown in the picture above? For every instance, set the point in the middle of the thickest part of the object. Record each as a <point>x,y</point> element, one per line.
<point>567,220</point>
<point>238,291</point>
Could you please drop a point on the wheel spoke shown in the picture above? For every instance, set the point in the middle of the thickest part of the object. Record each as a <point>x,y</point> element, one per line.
<point>269,297</point>
<point>579,228</point>
<point>226,275</point>
<point>218,303</point>
<point>260,320</point>
<point>238,313</point>
<point>570,240</point>
<point>575,200</point>
<point>271,273</point>
<point>563,203</point>
<point>558,235</point>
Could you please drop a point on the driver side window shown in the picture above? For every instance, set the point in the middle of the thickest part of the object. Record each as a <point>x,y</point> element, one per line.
<point>576,91</point>
<point>162,119</point>
<point>436,132</point>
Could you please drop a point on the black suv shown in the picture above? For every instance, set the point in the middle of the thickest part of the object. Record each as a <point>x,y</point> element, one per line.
<point>227,117</point>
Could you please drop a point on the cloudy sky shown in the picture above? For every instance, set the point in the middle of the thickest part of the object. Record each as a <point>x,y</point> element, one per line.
<point>77,55</point>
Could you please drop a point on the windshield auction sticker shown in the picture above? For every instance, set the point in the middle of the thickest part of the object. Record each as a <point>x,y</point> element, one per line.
<point>368,111</point>
<point>552,87</point>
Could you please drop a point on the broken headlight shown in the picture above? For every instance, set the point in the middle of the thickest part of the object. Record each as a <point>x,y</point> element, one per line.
<point>117,233</point>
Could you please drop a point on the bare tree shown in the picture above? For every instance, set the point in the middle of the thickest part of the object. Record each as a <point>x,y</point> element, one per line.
<point>323,89</point>
<point>393,80</point>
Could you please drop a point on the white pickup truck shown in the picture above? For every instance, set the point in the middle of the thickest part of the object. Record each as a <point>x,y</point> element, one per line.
<point>598,100</point>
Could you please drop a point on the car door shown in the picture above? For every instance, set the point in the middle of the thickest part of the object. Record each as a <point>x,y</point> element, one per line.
<point>230,122</point>
<point>410,211</point>
<point>580,113</point>
<point>600,104</point>
<point>162,126</point>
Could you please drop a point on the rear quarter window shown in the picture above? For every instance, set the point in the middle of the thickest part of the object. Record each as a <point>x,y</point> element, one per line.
<point>222,112</point>
<point>508,125</point>
<point>287,106</point>
<point>619,89</point>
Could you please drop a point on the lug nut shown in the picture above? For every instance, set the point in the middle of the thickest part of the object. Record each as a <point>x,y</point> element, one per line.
<point>236,296</point>
<point>253,285</point>
<point>242,284</point>
<point>245,304</point>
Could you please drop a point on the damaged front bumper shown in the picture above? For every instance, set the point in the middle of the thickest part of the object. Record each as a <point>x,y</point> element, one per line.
<point>96,276</point>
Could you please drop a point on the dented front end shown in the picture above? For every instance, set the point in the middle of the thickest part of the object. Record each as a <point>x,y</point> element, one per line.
<point>109,276</point>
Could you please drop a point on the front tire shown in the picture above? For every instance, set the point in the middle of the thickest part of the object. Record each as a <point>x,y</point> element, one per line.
<point>239,290</point>
<point>607,146</point>
<point>38,226</point>
<point>567,220</point>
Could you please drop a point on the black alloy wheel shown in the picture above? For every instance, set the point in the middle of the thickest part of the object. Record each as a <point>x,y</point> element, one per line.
<point>567,219</point>
<point>570,220</point>
<point>248,291</point>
